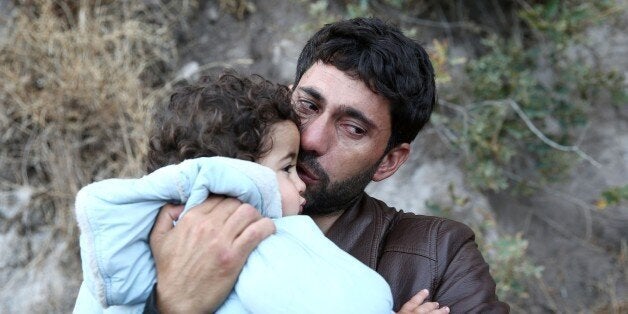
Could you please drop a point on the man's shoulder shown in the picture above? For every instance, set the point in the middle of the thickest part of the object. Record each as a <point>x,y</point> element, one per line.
<point>426,234</point>
<point>435,226</point>
<point>420,234</point>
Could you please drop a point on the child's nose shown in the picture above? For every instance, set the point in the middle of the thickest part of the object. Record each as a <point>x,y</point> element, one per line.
<point>299,184</point>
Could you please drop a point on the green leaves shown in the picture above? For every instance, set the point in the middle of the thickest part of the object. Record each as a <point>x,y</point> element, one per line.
<point>553,87</point>
<point>613,196</point>
<point>510,266</point>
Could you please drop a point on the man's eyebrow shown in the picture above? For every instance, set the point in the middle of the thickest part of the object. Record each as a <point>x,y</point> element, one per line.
<point>314,93</point>
<point>353,113</point>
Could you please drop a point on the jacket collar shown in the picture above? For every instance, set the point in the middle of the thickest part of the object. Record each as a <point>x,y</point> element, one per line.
<point>361,229</point>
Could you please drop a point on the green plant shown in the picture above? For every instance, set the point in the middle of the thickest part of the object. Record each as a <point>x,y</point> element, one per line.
<point>509,266</point>
<point>532,93</point>
<point>612,196</point>
<point>361,8</point>
<point>319,15</point>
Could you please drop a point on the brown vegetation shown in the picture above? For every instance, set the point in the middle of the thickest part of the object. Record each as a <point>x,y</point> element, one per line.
<point>74,99</point>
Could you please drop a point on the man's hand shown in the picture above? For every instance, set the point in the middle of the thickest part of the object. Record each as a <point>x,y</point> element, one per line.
<point>416,305</point>
<point>199,261</point>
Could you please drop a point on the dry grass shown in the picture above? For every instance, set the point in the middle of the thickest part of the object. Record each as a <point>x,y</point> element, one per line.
<point>78,80</point>
<point>238,8</point>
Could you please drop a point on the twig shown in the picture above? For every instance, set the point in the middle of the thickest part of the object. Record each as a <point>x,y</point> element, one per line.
<point>465,120</point>
<point>423,22</point>
<point>513,104</point>
<point>551,303</point>
<point>445,134</point>
<point>546,140</point>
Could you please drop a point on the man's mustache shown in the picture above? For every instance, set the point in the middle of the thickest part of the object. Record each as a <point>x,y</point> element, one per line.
<point>308,160</point>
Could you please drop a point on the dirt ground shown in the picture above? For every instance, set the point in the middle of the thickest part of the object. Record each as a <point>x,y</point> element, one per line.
<point>582,249</point>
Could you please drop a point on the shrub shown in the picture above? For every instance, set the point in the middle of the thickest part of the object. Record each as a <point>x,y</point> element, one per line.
<point>78,80</point>
<point>531,94</point>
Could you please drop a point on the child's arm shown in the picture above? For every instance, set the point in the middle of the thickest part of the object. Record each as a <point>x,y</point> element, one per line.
<point>417,305</point>
<point>116,216</point>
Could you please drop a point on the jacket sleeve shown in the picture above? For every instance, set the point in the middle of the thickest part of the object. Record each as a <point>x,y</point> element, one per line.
<point>150,306</point>
<point>116,215</point>
<point>115,218</point>
<point>463,280</point>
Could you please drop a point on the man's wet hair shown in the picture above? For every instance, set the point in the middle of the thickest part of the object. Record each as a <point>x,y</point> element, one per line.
<point>228,116</point>
<point>388,62</point>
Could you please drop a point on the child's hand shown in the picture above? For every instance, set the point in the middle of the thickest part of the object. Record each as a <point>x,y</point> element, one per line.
<point>416,305</point>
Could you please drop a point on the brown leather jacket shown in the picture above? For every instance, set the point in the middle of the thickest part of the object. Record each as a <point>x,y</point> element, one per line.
<point>414,252</point>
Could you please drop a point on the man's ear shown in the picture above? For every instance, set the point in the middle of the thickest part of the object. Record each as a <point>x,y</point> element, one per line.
<point>392,161</point>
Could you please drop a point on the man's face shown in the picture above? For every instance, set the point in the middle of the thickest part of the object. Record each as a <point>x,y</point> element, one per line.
<point>344,131</point>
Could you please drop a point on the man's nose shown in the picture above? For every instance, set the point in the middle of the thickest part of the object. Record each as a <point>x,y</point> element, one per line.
<point>317,135</point>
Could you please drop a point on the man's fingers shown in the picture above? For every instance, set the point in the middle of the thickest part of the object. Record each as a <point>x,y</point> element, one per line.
<point>173,211</point>
<point>227,206</point>
<point>240,219</point>
<point>163,222</point>
<point>208,205</point>
<point>252,235</point>
<point>198,255</point>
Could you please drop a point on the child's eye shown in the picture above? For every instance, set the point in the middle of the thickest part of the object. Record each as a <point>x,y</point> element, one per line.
<point>287,168</point>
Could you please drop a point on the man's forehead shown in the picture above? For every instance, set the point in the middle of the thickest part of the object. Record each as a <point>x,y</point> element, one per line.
<point>327,74</point>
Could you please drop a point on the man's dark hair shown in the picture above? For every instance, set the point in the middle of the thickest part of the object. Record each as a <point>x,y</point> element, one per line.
<point>230,116</point>
<point>388,62</point>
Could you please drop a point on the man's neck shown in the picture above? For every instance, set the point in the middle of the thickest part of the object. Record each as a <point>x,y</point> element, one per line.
<point>324,222</point>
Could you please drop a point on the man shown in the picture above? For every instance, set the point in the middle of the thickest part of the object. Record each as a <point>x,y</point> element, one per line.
<point>363,91</point>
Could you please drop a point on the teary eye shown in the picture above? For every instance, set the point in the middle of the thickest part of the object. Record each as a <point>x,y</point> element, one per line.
<point>356,129</point>
<point>305,107</point>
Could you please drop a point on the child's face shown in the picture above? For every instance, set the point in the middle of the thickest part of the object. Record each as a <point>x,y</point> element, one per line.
<point>282,158</point>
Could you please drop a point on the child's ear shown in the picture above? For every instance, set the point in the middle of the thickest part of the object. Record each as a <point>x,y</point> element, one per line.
<point>392,161</point>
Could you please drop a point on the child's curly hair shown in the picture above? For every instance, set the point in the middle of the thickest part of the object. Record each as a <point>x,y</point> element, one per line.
<point>230,116</point>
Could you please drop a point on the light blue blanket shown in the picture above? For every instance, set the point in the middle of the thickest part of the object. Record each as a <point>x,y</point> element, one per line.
<point>296,270</point>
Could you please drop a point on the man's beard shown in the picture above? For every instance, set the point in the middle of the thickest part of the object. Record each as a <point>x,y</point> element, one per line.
<point>327,197</point>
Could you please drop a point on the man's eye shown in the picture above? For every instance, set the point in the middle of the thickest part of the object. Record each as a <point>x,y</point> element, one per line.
<point>306,107</point>
<point>355,130</point>
<point>358,130</point>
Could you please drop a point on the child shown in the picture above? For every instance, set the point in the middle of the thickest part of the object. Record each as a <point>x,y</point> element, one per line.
<point>296,270</point>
